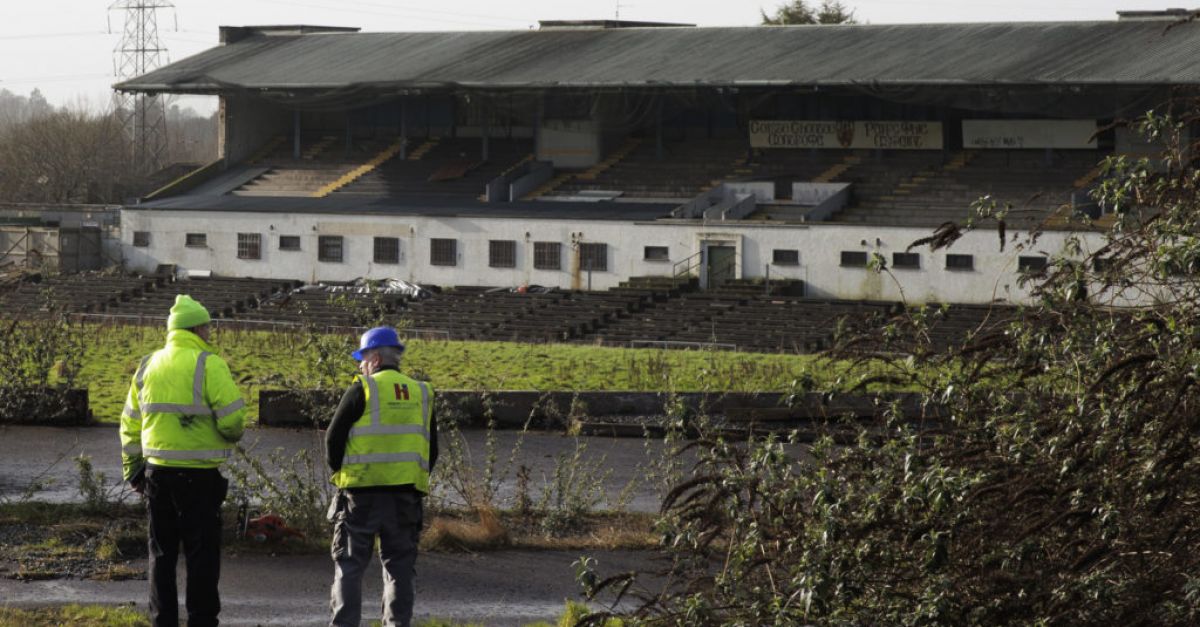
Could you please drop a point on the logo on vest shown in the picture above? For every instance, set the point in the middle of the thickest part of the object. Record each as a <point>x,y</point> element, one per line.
<point>401,391</point>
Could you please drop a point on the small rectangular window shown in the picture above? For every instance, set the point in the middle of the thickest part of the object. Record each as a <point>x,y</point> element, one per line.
<point>195,240</point>
<point>329,248</point>
<point>289,242</point>
<point>1031,264</point>
<point>656,253</point>
<point>960,262</point>
<point>249,245</point>
<point>502,253</point>
<point>906,260</point>
<point>387,250</point>
<point>854,258</point>
<point>443,252</point>
<point>593,257</point>
<point>1103,264</point>
<point>141,239</point>
<point>547,256</point>
<point>785,257</point>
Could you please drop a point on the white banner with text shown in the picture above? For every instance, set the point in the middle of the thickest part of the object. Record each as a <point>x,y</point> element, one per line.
<point>886,135</point>
<point>1015,134</point>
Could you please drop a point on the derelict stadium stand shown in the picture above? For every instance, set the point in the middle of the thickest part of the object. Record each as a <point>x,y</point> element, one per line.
<point>78,293</point>
<point>223,297</point>
<point>687,168</point>
<point>1021,178</point>
<point>445,167</point>
<point>740,315</point>
<point>323,160</point>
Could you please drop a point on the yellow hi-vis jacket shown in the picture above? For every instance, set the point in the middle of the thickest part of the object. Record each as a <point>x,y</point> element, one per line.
<point>389,443</point>
<point>183,409</point>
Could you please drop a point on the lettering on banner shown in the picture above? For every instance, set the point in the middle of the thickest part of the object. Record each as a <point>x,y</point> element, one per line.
<point>889,135</point>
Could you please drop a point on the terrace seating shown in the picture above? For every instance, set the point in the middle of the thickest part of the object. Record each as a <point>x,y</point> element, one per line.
<point>687,169</point>
<point>323,161</point>
<point>741,314</point>
<point>224,297</point>
<point>1021,178</point>
<point>443,167</point>
<point>324,309</point>
<point>81,293</point>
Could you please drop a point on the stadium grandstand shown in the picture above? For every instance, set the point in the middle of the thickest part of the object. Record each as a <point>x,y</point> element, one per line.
<point>583,155</point>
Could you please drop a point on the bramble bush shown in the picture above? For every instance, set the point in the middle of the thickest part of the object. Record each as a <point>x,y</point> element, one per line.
<point>1053,478</point>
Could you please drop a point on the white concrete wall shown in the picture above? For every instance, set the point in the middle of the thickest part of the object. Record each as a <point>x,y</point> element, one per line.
<point>819,245</point>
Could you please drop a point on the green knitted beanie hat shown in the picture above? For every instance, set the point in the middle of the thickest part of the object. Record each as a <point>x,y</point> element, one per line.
<point>187,313</point>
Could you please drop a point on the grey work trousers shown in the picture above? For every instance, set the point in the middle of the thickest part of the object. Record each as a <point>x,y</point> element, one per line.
<point>359,518</point>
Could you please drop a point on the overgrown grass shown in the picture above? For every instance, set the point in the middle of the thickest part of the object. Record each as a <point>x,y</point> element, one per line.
<point>266,360</point>
<point>77,615</point>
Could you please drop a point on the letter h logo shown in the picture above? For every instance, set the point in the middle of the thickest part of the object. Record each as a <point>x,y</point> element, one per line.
<point>401,391</point>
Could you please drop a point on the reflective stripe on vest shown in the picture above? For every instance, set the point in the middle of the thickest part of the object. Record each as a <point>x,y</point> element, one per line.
<point>187,455</point>
<point>383,458</point>
<point>389,443</point>
<point>196,408</point>
<point>377,428</point>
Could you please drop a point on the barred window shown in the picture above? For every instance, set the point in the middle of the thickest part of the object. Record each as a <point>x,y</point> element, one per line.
<point>1031,264</point>
<point>387,250</point>
<point>906,260</point>
<point>443,252</point>
<point>502,253</point>
<point>289,242</point>
<point>141,239</point>
<point>854,258</point>
<point>547,256</point>
<point>249,245</point>
<point>195,240</point>
<point>960,262</point>
<point>593,257</point>
<point>329,248</point>
<point>656,253</point>
<point>785,257</point>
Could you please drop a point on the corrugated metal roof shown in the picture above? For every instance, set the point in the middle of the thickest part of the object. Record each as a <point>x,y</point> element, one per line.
<point>1133,52</point>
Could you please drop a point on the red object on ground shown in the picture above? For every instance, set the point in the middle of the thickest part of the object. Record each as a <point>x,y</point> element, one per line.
<point>271,528</point>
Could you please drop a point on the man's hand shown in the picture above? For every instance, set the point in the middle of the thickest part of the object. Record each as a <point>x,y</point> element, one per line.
<point>137,482</point>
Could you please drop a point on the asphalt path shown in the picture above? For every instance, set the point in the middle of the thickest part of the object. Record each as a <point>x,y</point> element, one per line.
<point>40,461</point>
<point>511,587</point>
<point>506,587</point>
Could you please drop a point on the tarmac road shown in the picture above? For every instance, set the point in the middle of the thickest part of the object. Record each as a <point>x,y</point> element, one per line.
<point>30,456</point>
<point>502,588</point>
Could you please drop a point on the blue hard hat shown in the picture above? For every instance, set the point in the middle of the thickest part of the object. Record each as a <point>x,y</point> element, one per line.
<point>378,337</point>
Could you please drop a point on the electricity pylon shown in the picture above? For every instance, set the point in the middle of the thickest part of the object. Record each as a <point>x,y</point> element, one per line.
<point>143,115</point>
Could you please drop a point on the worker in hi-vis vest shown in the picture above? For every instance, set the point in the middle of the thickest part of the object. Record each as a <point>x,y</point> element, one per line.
<point>381,445</point>
<point>181,419</point>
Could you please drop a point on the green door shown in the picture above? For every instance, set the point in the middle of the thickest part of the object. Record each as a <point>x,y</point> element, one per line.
<point>721,265</point>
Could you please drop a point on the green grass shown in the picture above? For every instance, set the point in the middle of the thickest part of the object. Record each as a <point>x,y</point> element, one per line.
<point>265,360</point>
<point>78,615</point>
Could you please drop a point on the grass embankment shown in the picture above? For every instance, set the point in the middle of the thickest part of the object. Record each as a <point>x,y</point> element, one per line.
<point>266,360</point>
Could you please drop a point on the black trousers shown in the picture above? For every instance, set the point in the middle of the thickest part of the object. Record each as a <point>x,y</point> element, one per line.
<point>184,506</point>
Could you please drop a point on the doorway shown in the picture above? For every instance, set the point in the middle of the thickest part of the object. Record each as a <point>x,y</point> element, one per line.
<point>720,265</point>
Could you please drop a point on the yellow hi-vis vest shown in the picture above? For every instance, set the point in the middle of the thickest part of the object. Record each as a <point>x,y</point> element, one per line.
<point>183,409</point>
<point>389,443</point>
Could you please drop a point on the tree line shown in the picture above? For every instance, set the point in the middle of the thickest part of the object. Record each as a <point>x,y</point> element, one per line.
<point>82,154</point>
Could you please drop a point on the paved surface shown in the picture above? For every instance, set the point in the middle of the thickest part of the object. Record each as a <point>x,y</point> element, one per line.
<point>502,588</point>
<point>44,458</point>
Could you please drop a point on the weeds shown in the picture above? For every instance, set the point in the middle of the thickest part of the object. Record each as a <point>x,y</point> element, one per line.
<point>40,359</point>
<point>295,487</point>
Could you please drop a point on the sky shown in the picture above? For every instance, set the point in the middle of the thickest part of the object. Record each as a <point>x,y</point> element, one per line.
<point>64,48</point>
